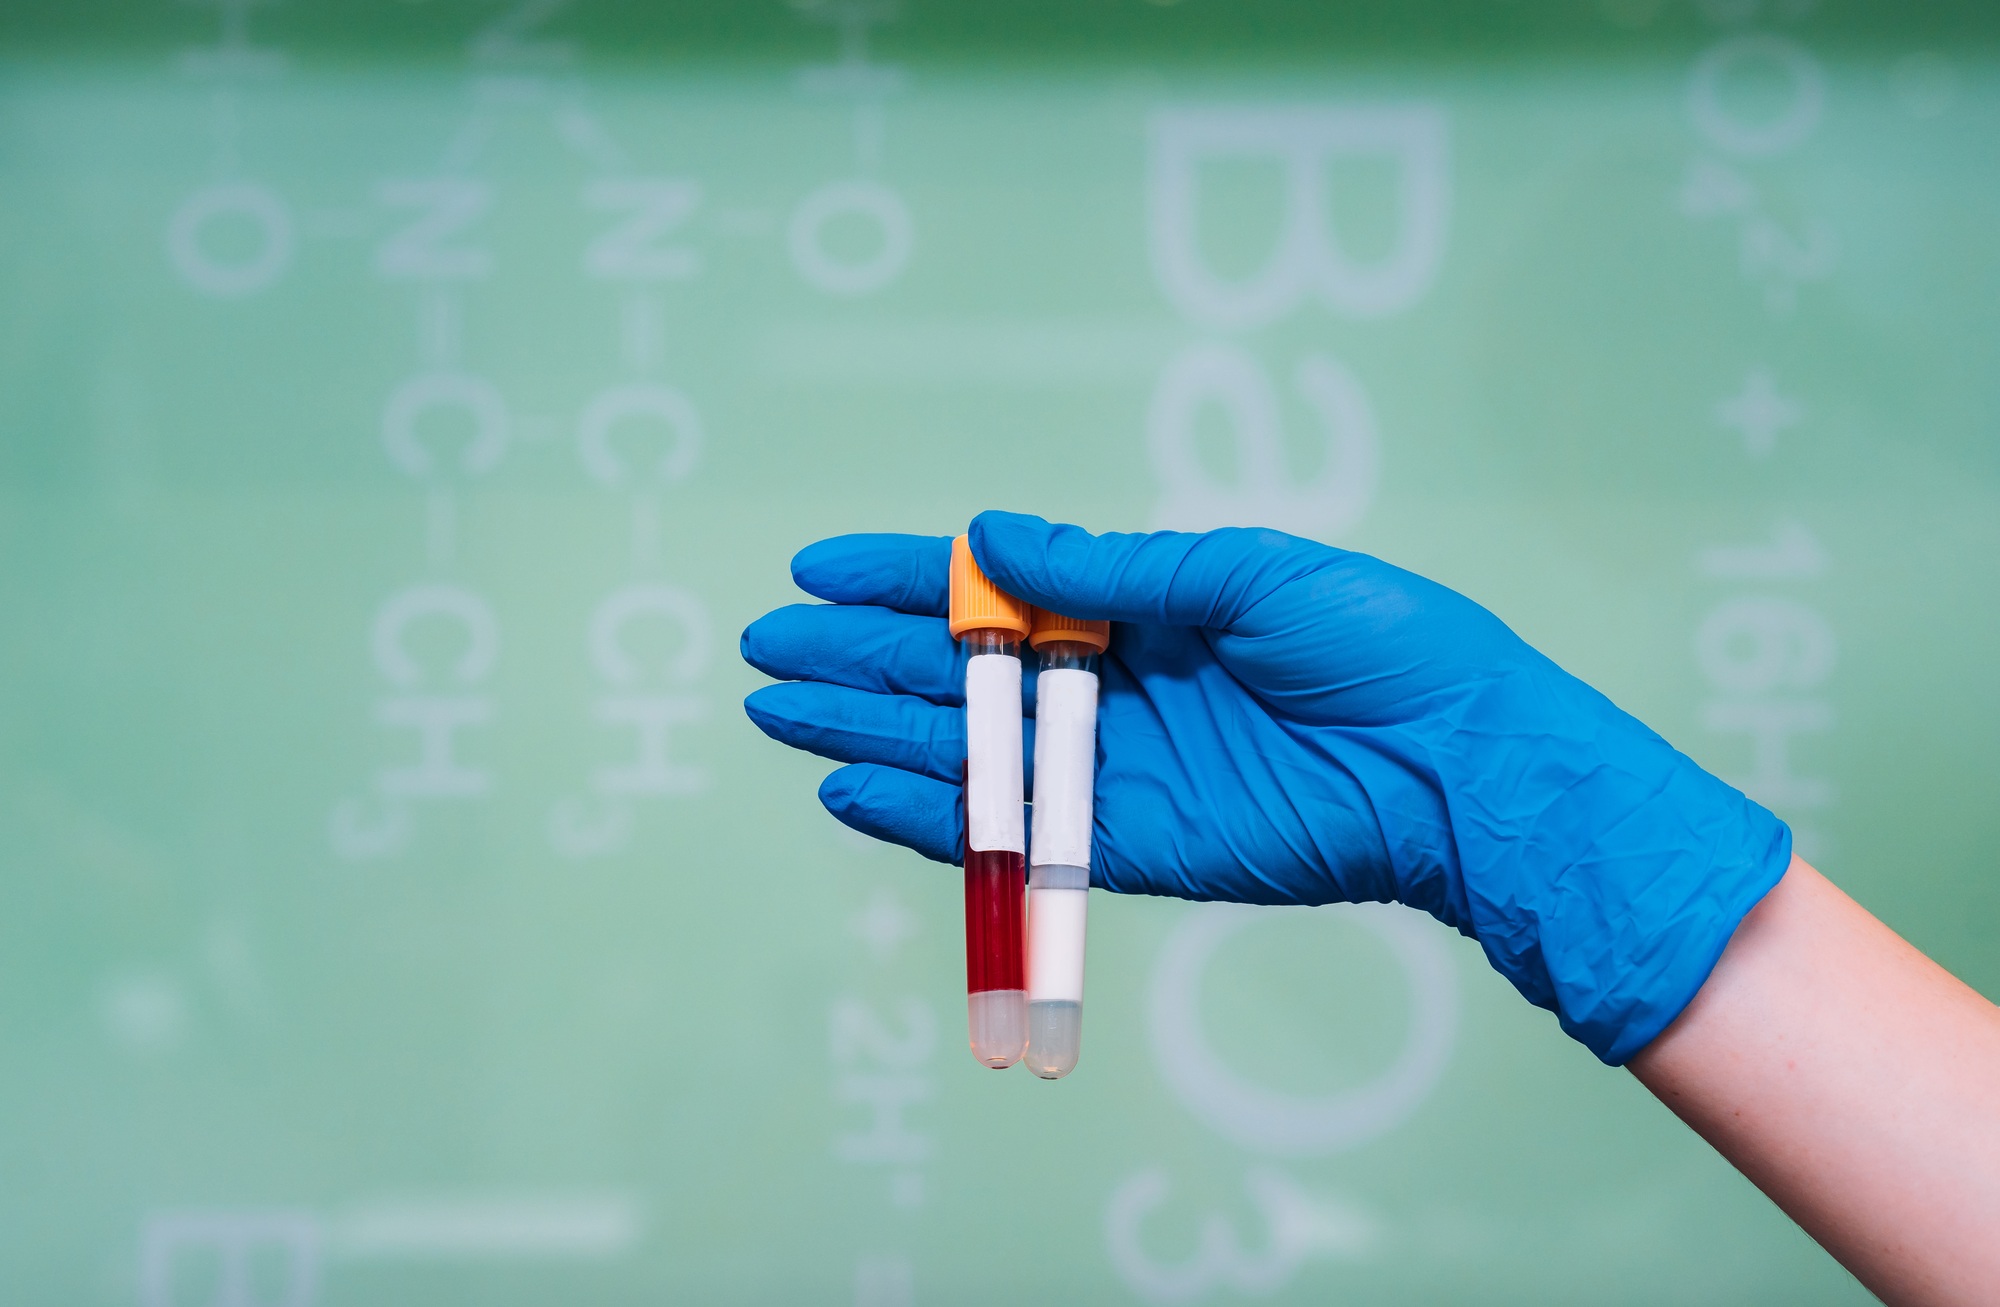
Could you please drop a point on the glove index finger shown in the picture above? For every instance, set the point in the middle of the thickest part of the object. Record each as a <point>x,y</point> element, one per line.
<point>909,573</point>
<point>1169,578</point>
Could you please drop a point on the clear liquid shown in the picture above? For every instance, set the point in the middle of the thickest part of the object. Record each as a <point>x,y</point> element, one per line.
<point>996,1026</point>
<point>1055,1038</point>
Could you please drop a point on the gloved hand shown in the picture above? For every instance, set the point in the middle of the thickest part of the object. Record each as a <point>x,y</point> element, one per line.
<point>1285,722</point>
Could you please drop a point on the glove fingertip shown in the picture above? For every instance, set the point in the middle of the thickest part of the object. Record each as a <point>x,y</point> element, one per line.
<point>760,708</point>
<point>764,636</point>
<point>1015,550</point>
<point>1002,539</point>
<point>821,563</point>
<point>904,572</point>
<point>897,807</point>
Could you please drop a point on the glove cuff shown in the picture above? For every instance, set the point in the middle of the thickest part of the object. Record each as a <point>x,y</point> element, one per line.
<point>1683,896</point>
<point>1626,882</point>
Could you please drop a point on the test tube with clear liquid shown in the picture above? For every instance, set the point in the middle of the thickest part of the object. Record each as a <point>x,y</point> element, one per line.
<point>989,625</point>
<point>1059,853</point>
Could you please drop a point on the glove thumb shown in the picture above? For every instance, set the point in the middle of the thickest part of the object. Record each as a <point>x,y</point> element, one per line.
<point>1168,578</point>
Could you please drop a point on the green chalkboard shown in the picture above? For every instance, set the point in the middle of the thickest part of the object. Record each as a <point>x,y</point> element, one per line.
<point>403,405</point>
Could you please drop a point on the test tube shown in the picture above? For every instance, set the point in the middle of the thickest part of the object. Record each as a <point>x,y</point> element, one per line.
<point>989,626</point>
<point>1059,862</point>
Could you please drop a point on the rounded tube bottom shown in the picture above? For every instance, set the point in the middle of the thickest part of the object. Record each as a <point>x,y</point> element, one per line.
<point>1055,1038</point>
<point>996,1024</point>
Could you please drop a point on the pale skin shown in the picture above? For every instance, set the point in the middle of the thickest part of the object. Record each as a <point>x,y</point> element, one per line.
<point>1855,1082</point>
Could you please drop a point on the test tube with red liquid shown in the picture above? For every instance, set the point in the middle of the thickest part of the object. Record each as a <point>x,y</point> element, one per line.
<point>989,626</point>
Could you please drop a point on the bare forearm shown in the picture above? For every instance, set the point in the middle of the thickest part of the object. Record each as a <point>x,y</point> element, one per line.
<point>1854,1081</point>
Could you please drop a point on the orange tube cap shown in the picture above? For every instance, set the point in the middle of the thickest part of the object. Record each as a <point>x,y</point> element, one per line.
<point>1052,628</point>
<point>978,603</point>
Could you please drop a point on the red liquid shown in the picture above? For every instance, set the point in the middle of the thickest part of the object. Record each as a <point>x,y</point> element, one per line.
<point>996,949</point>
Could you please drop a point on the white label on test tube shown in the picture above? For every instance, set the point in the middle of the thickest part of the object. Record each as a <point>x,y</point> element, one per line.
<point>1065,755</point>
<point>993,754</point>
<point>1055,944</point>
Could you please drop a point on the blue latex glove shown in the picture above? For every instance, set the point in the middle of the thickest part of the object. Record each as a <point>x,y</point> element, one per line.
<point>1284,722</point>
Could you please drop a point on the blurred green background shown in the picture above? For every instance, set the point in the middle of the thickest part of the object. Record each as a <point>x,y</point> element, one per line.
<point>403,404</point>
